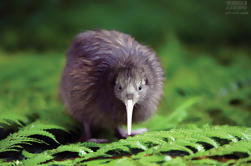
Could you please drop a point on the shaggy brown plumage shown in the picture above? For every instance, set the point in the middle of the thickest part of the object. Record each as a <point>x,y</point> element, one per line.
<point>98,64</point>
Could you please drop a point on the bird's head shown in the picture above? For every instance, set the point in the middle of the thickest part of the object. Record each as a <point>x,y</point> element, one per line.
<point>130,87</point>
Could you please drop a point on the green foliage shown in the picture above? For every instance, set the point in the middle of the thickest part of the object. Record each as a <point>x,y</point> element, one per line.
<point>51,25</point>
<point>203,119</point>
<point>154,148</point>
<point>13,141</point>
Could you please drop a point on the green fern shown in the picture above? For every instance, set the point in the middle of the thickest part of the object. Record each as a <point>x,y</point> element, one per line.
<point>14,141</point>
<point>158,147</point>
<point>7,119</point>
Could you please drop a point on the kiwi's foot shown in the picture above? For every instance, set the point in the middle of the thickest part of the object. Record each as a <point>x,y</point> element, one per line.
<point>98,140</point>
<point>121,133</point>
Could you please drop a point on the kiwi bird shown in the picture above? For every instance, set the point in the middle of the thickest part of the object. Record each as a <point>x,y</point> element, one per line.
<point>109,80</point>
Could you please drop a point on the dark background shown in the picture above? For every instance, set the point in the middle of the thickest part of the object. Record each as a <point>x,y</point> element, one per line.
<point>50,25</point>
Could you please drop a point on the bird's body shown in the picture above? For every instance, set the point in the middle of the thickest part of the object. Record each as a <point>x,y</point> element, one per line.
<point>102,68</point>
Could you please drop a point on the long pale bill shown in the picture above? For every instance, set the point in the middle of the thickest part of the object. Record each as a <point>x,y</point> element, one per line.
<point>129,111</point>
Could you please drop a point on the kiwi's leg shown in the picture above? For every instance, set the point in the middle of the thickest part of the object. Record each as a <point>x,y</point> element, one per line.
<point>86,131</point>
<point>87,135</point>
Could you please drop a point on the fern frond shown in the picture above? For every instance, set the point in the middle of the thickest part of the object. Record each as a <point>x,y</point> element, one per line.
<point>50,154</point>
<point>38,159</point>
<point>23,136</point>
<point>8,119</point>
<point>179,142</point>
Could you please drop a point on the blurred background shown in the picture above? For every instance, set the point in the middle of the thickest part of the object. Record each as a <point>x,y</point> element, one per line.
<point>47,25</point>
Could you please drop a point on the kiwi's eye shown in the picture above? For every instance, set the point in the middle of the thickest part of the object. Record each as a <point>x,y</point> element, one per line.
<point>140,87</point>
<point>119,87</point>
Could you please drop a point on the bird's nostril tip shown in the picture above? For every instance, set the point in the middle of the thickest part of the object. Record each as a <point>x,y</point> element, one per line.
<point>129,96</point>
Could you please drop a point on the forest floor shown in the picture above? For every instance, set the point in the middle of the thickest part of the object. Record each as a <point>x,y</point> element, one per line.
<point>204,117</point>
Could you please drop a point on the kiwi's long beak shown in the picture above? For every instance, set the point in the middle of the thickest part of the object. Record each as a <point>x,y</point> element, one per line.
<point>129,110</point>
